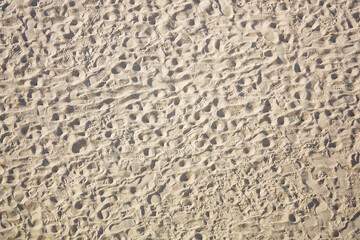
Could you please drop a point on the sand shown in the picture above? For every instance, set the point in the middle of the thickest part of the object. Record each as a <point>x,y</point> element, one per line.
<point>204,119</point>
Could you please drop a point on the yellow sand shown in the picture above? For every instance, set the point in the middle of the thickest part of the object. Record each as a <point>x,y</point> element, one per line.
<point>204,119</point>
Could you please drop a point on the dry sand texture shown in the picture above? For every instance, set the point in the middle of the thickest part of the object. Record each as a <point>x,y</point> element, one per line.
<point>179,119</point>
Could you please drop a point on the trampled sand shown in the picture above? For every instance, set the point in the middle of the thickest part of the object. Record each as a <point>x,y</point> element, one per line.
<point>204,119</point>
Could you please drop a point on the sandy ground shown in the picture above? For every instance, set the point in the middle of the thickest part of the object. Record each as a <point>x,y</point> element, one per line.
<point>209,119</point>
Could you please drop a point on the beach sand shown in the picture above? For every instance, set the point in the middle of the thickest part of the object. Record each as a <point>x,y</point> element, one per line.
<point>204,119</point>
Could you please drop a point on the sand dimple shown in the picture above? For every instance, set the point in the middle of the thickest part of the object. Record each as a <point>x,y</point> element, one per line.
<point>179,119</point>
<point>78,146</point>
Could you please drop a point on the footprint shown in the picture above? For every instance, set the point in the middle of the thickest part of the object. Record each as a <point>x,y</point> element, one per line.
<point>220,113</point>
<point>184,177</point>
<point>280,120</point>
<point>79,205</point>
<point>79,146</point>
<point>118,68</point>
<point>136,67</point>
<point>265,142</point>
